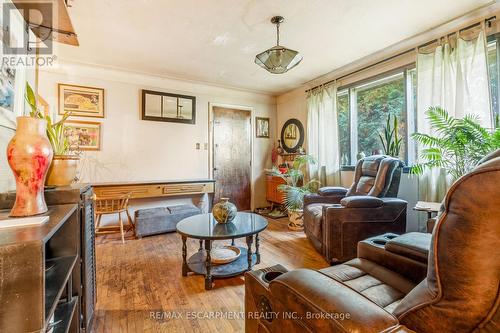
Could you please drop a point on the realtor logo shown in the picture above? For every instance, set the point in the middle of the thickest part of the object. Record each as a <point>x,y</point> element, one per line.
<point>40,16</point>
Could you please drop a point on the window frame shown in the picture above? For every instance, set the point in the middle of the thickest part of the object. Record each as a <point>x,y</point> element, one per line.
<point>342,92</point>
<point>410,109</point>
<point>494,38</point>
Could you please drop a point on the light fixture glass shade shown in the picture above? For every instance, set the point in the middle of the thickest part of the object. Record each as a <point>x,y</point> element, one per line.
<point>278,60</point>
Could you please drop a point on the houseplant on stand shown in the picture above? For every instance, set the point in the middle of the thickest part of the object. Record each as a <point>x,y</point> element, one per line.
<point>295,189</point>
<point>29,154</point>
<point>64,164</point>
<point>459,145</point>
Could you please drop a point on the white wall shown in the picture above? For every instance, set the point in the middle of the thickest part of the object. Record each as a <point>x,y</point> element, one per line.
<point>291,105</point>
<point>134,149</point>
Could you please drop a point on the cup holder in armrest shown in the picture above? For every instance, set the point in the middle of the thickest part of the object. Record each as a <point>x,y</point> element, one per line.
<point>391,236</point>
<point>269,276</point>
<point>380,242</point>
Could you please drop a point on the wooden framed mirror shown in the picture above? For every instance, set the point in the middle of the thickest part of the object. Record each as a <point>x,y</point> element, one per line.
<point>292,135</point>
<point>160,106</point>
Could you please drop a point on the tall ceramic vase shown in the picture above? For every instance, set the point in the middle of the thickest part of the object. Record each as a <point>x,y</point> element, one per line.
<point>29,154</point>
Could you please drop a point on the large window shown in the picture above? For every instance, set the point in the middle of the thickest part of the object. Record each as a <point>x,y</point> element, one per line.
<point>493,68</point>
<point>363,111</point>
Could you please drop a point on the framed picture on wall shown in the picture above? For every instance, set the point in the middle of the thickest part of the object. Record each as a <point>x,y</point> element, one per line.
<point>7,95</point>
<point>261,127</point>
<point>12,83</point>
<point>81,101</point>
<point>83,135</point>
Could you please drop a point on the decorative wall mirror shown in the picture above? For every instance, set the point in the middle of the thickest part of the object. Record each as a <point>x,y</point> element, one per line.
<point>292,135</point>
<point>160,106</point>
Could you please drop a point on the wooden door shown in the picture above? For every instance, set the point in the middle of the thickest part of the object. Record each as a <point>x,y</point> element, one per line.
<point>232,157</point>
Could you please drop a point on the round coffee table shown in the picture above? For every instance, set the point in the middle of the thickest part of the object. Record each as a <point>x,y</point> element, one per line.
<point>205,228</point>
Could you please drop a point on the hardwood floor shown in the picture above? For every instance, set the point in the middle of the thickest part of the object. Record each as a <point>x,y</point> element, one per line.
<point>140,287</point>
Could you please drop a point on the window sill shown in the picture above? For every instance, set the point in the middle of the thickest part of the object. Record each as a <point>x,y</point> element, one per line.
<point>347,168</point>
<point>406,169</point>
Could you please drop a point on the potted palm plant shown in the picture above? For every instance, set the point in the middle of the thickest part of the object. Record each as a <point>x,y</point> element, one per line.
<point>459,145</point>
<point>390,138</point>
<point>296,188</point>
<point>64,164</point>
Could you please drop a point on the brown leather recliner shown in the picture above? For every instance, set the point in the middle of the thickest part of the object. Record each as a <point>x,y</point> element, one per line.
<point>336,218</point>
<point>379,290</point>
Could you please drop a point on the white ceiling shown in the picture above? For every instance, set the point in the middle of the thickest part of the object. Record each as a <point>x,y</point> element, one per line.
<point>216,41</point>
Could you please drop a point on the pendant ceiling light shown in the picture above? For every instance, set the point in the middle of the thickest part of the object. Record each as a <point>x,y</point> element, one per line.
<point>278,59</point>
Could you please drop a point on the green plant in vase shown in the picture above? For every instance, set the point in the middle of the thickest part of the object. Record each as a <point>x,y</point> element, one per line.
<point>296,188</point>
<point>390,138</point>
<point>64,164</point>
<point>458,146</point>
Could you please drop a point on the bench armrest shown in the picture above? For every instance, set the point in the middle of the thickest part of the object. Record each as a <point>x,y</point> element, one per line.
<point>316,198</point>
<point>361,201</point>
<point>332,190</point>
<point>414,245</point>
<point>390,208</point>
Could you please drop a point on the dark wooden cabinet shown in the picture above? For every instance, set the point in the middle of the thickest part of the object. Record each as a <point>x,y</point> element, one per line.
<point>85,279</point>
<point>81,194</point>
<point>39,265</point>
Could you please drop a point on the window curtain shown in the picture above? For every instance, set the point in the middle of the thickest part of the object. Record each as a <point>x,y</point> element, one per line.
<point>455,78</point>
<point>322,135</point>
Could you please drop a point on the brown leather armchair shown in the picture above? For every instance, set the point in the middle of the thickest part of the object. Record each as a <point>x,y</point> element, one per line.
<point>382,290</point>
<point>336,219</point>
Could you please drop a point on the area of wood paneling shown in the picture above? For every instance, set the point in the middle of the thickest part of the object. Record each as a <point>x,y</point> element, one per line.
<point>232,156</point>
<point>139,283</point>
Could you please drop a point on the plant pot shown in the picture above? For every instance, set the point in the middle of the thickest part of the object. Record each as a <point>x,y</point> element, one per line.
<point>29,154</point>
<point>62,171</point>
<point>296,220</point>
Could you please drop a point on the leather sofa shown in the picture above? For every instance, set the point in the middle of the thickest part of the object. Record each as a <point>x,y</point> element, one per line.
<point>386,289</point>
<point>336,218</point>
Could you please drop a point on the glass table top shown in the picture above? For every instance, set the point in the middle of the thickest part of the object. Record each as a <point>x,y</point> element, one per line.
<point>204,226</point>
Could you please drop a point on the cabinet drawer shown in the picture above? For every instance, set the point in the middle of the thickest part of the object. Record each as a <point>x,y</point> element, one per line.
<point>118,191</point>
<point>183,188</point>
<point>176,189</point>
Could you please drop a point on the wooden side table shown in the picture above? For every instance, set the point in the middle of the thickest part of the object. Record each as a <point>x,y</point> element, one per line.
<point>429,207</point>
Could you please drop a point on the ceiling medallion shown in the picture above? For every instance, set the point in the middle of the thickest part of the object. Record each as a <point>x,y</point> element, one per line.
<point>278,59</point>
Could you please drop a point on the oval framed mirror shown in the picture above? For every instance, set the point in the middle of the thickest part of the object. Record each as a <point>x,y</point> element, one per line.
<point>292,135</point>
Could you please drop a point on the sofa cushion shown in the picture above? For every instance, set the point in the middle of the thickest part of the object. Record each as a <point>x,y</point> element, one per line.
<point>365,184</point>
<point>377,283</point>
<point>371,164</point>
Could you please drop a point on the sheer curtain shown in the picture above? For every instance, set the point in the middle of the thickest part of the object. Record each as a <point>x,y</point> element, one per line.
<point>455,78</point>
<point>322,135</point>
